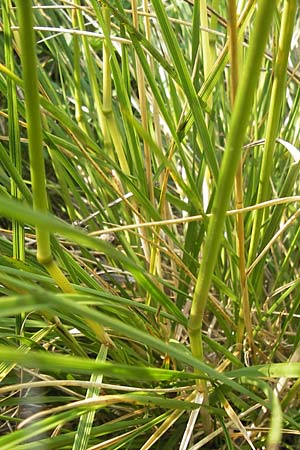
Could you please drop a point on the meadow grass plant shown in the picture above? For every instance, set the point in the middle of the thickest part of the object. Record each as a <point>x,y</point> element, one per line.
<point>149,224</point>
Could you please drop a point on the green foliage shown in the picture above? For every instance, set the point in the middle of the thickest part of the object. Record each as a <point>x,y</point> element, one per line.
<point>148,114</point>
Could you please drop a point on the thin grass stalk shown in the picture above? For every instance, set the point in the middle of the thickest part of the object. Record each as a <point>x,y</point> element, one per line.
<point>233,49</point>
<point>14,139</point>
<point>244,312</point>
<point>140,78</point>
<point>164,427</point>
<point>125,62</point>
<point>207,57</point>
<point>213,26</point>
<point>107,93</point>
<point>187,86</point>
<point>13,129</point>
<point>275,433</point>
<point>201,51</point>
<point>110,123</point>
<point>154,257</point>
<point>273,121</point>
<point>164,207</point>
<point>196,48</point>
<point>237,131</point>
<point>86,420</point>
<point>207,63</point>
<point>37,165</point>
<point>217,69</point>
<point>110,120</point>
<point>91,71</point>
<point>206,49</point>
<point>141,38</point>
<point>156,113</point>
<point>77,75</point>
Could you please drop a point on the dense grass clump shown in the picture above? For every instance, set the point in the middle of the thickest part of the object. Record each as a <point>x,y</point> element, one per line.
<point>149,244</point>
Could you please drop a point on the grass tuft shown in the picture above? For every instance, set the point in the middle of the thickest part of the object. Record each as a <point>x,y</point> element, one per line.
<point>149,237</point>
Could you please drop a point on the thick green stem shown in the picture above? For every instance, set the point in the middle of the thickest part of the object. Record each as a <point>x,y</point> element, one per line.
<point>37,165</point>
<point>238,126</point>
<point>34,126</point>
<point>277,96</point>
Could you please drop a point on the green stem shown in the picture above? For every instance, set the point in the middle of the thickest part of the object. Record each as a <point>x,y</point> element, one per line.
<point>37,165</point>
<point>34,126</point>
<point>80,118</point>
<point>277,96</point>
<point>205,42</point>
<point>111,132</point>
<point>91,71</point>
<point>244,309</point>
<point>143,109</point>
<point>238,126</point>
<point>14,140</point>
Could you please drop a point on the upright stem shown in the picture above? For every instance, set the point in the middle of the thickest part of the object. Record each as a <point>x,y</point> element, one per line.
<point>34,126</point>
<point>14,139</point>
<point>111,131</point>
<point>232,154</point>
<point>143,108</point>
<point>154,257</point>
<point>205,42</point>
<point>91,71</point>
<point>37,165</point>
<point>277,96</point>
<point>244,312</point>
<point>77,75</point>
<point>207,64</point>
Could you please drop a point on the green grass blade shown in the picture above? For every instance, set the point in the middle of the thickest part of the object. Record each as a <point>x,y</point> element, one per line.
<point>187,86</point>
